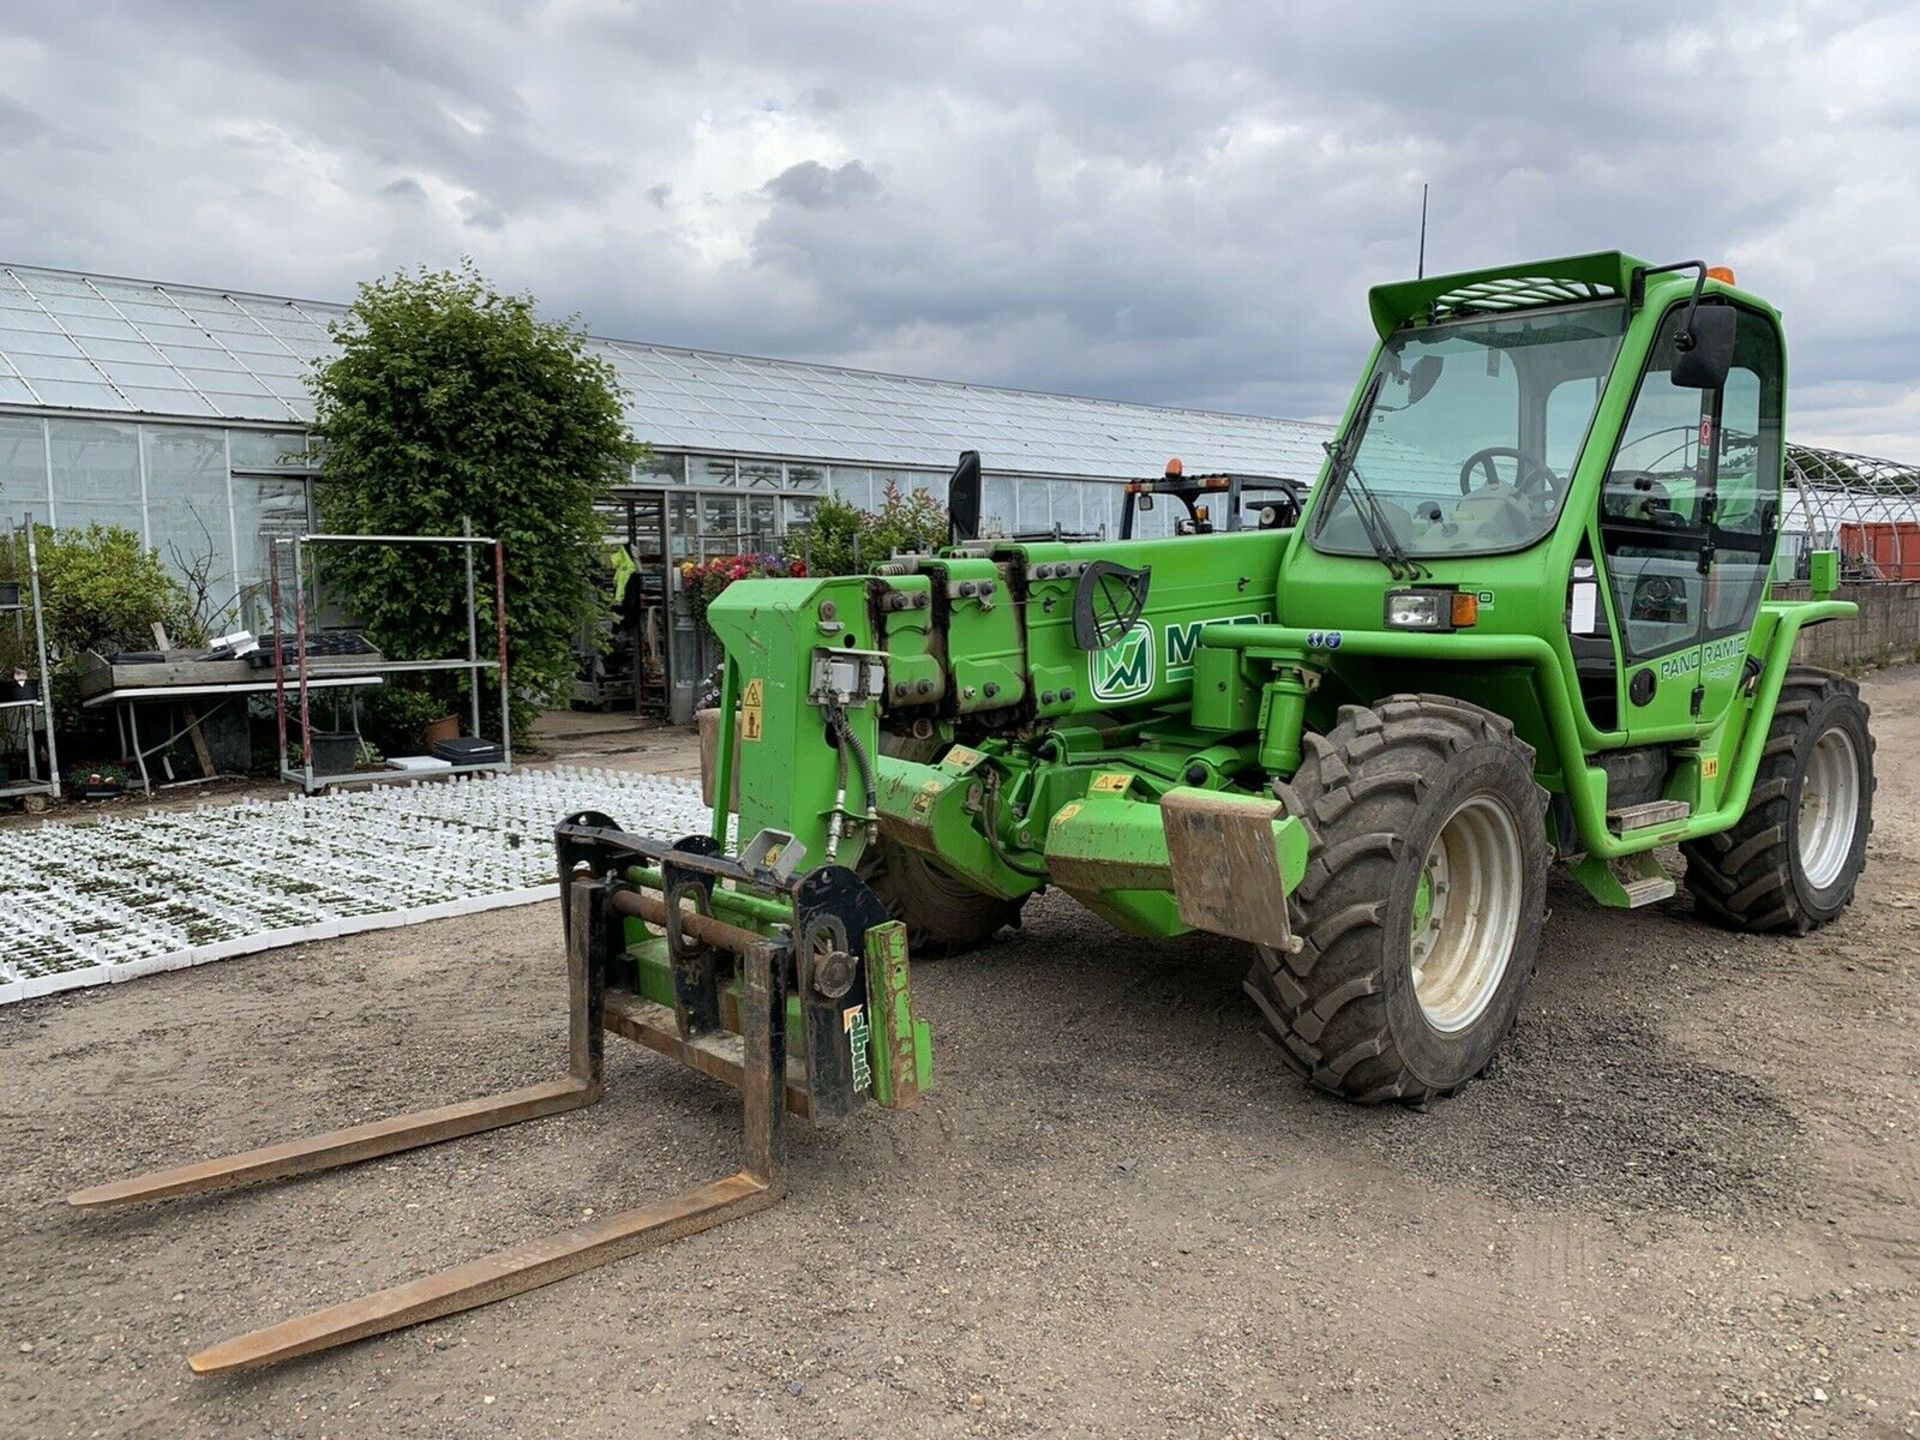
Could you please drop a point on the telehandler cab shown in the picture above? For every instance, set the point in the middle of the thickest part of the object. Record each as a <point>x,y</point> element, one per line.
<point>1523,617</point>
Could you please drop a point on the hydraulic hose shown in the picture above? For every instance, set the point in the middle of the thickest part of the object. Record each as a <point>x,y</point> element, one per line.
<point>846,743</point>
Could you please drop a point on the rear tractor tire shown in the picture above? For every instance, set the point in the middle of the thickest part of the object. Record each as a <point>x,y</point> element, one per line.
<point>1420,913</point>
<point>1792,861</point>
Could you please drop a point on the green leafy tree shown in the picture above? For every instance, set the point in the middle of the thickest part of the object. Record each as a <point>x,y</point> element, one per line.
<point>448,400</point>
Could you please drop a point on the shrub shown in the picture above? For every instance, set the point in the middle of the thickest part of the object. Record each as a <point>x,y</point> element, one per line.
<point>449,400</point>
<point>842,539</point>
<point>100,589</point>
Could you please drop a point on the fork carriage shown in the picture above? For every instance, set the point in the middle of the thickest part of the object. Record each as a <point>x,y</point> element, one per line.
<point>792,988</point>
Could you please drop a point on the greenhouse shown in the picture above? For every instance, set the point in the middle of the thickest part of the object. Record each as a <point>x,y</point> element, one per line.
<point>179,411</point>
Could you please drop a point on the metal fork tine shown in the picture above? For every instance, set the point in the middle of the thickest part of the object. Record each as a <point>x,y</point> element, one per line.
<point>586,991</point>
<point>344,1147</point>
<point>494,1277</point>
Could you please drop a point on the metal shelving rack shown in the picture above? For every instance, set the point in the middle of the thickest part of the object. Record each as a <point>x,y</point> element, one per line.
<point>473,665</point>
<point>35,785</point>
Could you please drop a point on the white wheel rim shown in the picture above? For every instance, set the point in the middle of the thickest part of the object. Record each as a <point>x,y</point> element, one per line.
<point>1829,808</point>
<point>1461,947</point>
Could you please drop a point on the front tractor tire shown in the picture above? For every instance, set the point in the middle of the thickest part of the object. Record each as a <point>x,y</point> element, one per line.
<point>1420,913</point>
<point>1792,861</point>
<point>944,915</point>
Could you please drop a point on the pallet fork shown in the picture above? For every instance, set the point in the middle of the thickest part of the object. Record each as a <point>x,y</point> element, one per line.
<point>734,1027</point>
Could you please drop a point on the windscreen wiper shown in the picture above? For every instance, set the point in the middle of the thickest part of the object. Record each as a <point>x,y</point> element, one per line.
<point>1366,506</point>
<point>1381,534</point>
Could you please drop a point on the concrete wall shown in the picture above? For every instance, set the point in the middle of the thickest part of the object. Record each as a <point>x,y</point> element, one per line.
<point>1885,632</point>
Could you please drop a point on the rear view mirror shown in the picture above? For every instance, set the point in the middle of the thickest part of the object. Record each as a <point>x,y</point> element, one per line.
<point>963,499</point>
<point>1705,348</point>
<point>1423,377</point>
<point>1144,500</point>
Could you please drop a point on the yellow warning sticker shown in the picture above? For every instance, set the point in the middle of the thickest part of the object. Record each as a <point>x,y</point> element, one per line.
<point>1111,783</point>
<point>1710,768</point>
<point>1065,813</point>
<point>751,704</point>
<point>929,792</point>
<point>960,756</point>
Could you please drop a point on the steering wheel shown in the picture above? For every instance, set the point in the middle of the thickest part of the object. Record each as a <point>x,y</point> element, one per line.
<point>1530,476</point>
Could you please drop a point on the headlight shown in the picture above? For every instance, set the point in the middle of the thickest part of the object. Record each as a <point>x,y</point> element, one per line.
<point>1419,610</point>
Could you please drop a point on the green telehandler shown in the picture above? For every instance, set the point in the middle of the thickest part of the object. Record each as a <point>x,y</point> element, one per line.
<point>1522,616</point>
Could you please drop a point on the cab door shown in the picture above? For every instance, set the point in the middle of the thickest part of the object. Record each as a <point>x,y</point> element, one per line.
<point>1743,513</point>
<point>1689,511</point>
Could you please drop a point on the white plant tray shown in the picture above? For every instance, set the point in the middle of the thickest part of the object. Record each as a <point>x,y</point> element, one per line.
<point>90,902</point>
<point>418,764</point>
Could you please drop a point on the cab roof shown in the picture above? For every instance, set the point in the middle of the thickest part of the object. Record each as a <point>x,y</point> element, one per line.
<point>1602,275</point>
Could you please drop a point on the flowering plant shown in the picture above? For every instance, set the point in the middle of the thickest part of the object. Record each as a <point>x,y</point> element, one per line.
<point>703,580</point>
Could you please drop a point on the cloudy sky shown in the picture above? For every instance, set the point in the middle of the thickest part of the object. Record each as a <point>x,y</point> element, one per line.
<point>1174,202</point>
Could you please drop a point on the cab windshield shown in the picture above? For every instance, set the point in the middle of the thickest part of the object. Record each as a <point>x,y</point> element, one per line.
<point>1472,433</point>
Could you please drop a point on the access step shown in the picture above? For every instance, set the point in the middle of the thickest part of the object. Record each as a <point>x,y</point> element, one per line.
<point>1647,815</point>
<point>1648,890</point>
<point>1625,883</point>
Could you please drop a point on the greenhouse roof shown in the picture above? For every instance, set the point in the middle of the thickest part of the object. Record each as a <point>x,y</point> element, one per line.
<point>108,346</point>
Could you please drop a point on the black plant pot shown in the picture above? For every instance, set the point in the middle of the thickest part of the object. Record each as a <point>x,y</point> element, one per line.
<point>11,689</point>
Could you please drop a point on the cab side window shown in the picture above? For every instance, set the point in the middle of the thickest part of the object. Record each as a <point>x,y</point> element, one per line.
<point>1656,521</point>
<point>1746,516</point>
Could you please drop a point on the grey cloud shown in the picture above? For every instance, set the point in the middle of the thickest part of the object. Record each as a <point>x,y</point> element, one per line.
<point>812,186</point>
<point>1182,204</point>
<point>405,188</point>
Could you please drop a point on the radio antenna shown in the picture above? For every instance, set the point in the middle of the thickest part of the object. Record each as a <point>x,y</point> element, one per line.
<point>1421,273</point>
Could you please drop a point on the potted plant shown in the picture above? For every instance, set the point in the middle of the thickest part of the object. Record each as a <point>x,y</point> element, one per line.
<point>104,782</point>
<point>402,720</point>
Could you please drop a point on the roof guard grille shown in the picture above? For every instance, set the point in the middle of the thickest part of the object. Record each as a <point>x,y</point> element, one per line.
<point>1517,292</point>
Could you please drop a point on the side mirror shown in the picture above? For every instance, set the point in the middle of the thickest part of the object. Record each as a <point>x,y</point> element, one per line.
<point>1423,377</point>
<point>963,499</point>
<point>1143,501</point>
<point>1705,348</point>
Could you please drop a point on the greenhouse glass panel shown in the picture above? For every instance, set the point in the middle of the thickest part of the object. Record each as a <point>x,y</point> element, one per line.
<point>799,511</point>
<point>23,471</point>
<point>719,525</point>
<point>1030,498</point>
<point>853,486</point>
<point>760,474</point>
<point>763,524</point>
<point>96,474</point>
<point>661,470</point>
<point>266,508</point>
<point>997,506</point>
<point>1064,497</point>
<point>268,449</point>
<point>188,514</point>
<point>810,478</point>
<point>685,524</point>
<point>706,470</point>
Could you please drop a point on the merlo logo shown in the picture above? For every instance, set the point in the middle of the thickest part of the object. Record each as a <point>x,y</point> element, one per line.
<point>1125,668</point>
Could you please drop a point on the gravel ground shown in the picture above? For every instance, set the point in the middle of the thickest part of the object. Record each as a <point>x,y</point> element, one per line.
<point>1686,1202</point>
